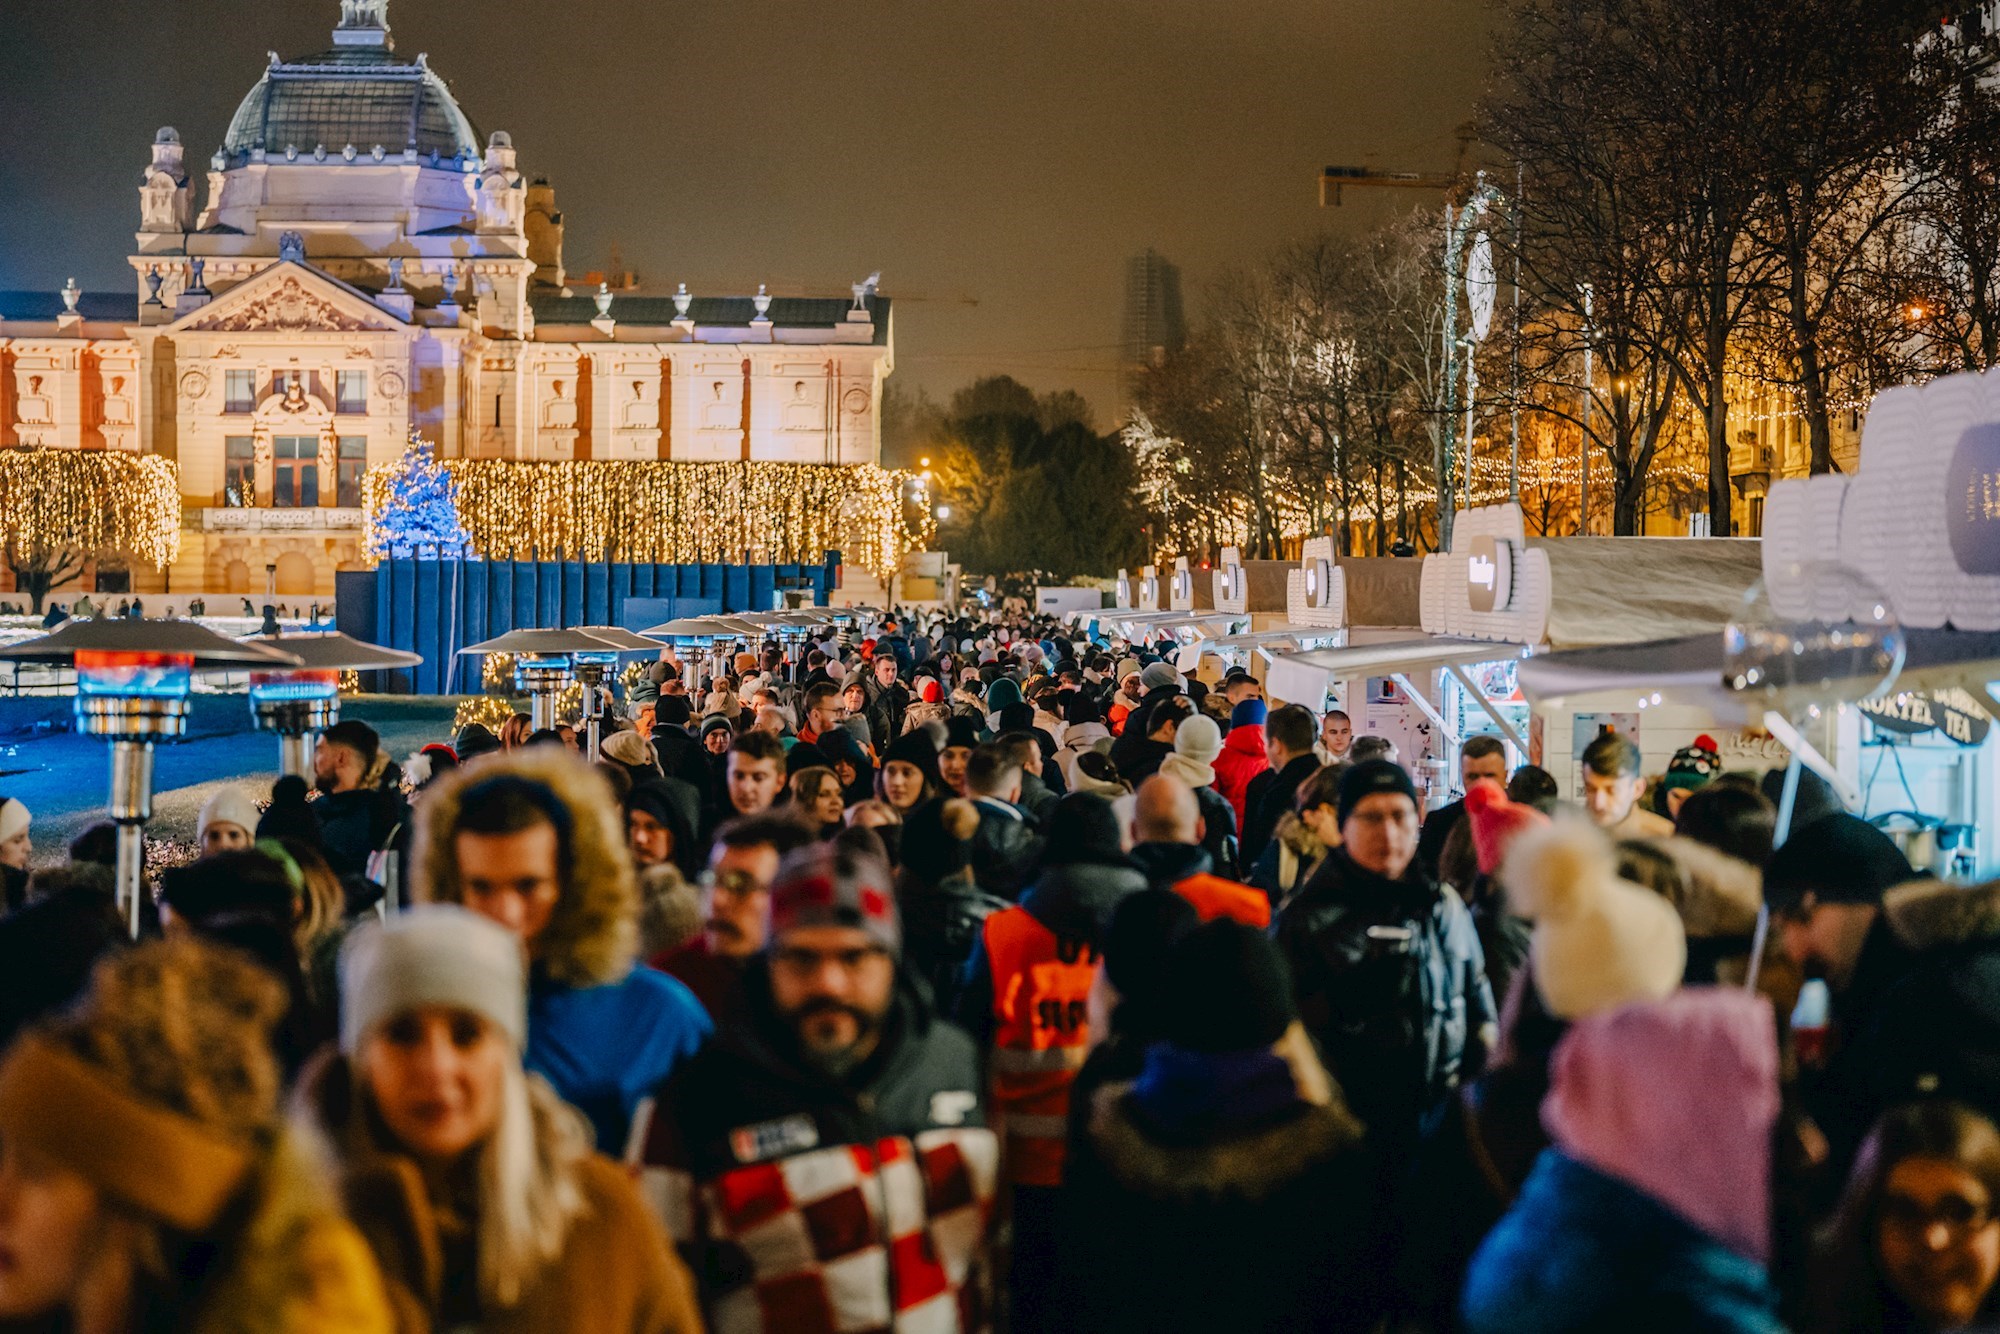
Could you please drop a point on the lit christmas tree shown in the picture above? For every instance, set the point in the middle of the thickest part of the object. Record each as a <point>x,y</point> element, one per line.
<point>413,504</point>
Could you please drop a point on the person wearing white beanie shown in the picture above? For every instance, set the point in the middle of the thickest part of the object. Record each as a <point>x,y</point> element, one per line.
<point>1600,942</point>
<point>16,847</point>
<point>474,1182</point>
<point>228,821</point>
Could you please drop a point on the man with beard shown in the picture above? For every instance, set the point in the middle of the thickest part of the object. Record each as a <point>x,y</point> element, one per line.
<point>735,903</point>
<point>828,1156</point>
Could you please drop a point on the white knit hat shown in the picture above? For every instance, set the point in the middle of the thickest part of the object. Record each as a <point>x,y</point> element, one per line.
<point>15,818</point>
<point>1198,739</point>
<point>230,805</point>
<point>1600,942</point>
<point>435,954</point>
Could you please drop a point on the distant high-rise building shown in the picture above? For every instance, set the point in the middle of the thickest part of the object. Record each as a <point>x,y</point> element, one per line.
<point>1154,322</point>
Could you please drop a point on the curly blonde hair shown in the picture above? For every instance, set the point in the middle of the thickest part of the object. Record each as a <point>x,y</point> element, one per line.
<point>187,1026</point>
<point>593,935</point>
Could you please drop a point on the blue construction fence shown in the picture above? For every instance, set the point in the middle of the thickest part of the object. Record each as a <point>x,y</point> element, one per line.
<point>436,607</point>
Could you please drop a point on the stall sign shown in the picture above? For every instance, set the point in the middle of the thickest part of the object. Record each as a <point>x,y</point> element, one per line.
<point>1489,571</point>
<point>1951,711</point>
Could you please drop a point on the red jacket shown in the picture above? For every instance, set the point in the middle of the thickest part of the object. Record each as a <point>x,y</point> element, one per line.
<point>1242,759</point>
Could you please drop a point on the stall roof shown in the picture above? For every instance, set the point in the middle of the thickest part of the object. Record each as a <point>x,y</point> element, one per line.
<point>1384,653</point>
<point>1624,590</point>
<point>1692,665</point>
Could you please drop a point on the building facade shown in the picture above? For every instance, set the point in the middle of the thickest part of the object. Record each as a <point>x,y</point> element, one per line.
<point>361,266</point>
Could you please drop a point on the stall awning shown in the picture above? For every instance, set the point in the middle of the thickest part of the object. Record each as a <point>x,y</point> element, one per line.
<point>1308,675</point>
<point>1690,668</point>
<point>1622,590</point>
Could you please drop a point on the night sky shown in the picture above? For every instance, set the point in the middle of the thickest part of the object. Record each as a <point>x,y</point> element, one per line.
<point>1010,153</point>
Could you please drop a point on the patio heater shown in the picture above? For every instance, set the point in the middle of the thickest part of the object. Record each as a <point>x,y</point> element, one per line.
<point>703,632</point>
<point>299,703</point>
<point>546,662</point>
<point>594,668</point>
<point>133,679</point>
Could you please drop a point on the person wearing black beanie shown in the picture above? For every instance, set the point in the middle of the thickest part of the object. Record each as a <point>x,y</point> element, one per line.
<point>1226,1186</point>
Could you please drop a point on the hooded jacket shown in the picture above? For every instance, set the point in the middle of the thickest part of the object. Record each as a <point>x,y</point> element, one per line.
<point>1242,759</point>
<point>615,1271</point>
<point>603,1033</point>
<point>796,1193</point>
<point>1653,1208</point>
<point>1270,1228</point>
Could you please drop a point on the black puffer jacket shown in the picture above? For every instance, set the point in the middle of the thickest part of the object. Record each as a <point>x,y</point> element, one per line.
<point>941,929</point>
<point>1005,850</point>
<point>1399,1019</point>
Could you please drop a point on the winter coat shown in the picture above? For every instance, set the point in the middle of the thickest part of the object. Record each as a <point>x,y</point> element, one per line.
<point>1933,1027</point>
<point>1273,802</point>
<point>1267,1227</point>
<point>941,929</point>
<point>795,1193</point>
<point>603,1034</point>
<point>1242,759</point>
<point>1396,1054</point>
<point>1038,799</point>
<point>1119,711</point>
<point>1188,871</point>
<point>1005,849</point>
<point>616,1272</point>
<point>884,710</point>
<point>1075,902</point>
<point>1583,1251</point>
<point>1288,860</point>
<point>1138,756</point>
<point>356,824</point>
<point>1437,828</point>
<point>1219,837</point>
<point>919,713</point>
<point>715,981</point>
<point>296,1266</point>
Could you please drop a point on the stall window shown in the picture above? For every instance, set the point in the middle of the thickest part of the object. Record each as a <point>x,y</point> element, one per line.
<point>353,463</point>
<point>295,471</point>
<point>239,391</point>
<point>351,392</point>
<point>239,471</point>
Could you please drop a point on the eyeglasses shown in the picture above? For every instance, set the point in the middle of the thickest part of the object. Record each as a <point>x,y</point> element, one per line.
<point>737,884</point>
<point>1959,1216</point>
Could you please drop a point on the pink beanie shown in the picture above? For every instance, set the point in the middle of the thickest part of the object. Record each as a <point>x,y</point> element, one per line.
<point>1496,821</point>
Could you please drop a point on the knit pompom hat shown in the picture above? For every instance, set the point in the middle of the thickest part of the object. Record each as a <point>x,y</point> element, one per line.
<point>1497,822</point>
<point>1600,942</point>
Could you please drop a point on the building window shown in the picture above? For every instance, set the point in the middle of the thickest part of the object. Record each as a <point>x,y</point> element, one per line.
<point>239,391</point>
<point>239,471</point>
<point>295,472</point>
<point>496,412</point>
<point>353,463</point>
<point>351,391</point>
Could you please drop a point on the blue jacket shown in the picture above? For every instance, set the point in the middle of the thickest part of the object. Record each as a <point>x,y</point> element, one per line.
<point>1584,1251</point>
<point>604,1049</point>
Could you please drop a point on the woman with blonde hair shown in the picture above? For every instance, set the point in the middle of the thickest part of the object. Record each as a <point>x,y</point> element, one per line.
<point>147,1181</point>
<point>475,1184</point>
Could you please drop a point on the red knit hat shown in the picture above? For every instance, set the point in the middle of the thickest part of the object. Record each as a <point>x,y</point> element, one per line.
<point>929,690</point>
<point>1496,822</point>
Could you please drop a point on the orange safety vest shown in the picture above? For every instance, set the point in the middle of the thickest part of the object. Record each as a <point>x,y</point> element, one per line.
<point>1041,1033</point>
<point>1214,897</point>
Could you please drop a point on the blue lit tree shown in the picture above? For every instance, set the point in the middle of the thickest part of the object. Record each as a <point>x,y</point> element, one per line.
<point>413,504</point>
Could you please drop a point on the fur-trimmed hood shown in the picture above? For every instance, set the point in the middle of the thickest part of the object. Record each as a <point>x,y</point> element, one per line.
<point>1931,914</point>
<point>1720,894</point>
<point>593,936</point>
<point>1296,835</point>
<point>1251,1167</point>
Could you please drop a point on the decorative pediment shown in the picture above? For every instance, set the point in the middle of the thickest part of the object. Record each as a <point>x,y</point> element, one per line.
<point>290,298</point>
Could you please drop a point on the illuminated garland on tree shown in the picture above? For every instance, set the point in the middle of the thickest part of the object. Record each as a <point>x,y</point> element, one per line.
<point>59,507</point>
<point>679,513</point>
<point>414,505</point>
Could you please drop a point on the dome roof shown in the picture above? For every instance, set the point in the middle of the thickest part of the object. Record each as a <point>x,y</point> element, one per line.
<point>352,95</point>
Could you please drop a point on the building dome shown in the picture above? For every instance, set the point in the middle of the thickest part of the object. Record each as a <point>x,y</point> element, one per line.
<point>357,95</point>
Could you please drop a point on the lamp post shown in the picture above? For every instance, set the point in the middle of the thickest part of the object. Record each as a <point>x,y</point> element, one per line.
<point>133,678</point>
<point>299,703</point>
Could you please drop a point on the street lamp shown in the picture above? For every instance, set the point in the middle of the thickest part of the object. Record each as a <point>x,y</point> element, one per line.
<point>298,703</point>
<point>133,678</point>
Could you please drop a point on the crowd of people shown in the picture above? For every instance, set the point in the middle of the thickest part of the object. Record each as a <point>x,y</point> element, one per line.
<point>964,975</point>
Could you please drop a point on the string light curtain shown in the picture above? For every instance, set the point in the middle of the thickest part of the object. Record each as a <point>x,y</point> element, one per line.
<point>91,500</point>
<point>682,513</point>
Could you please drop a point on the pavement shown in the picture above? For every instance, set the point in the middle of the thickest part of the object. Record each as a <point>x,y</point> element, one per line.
<point>63,778</point>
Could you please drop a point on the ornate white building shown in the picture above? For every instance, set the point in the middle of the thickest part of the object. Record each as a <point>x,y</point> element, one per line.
<point>362,266</point>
